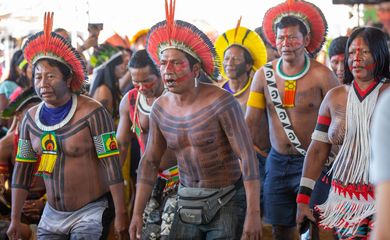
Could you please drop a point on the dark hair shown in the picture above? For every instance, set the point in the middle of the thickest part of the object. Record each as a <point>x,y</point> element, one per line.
<point>141,59</point>
<point>247,56</point>
<point>191,59</point>
<point>337,46</point>
<point>65,70</point>
<point>376,41</point>
<point>290,21</point>
<point>13,72</point>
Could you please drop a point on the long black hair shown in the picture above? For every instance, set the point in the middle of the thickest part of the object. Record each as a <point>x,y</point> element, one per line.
<point>377,43</point>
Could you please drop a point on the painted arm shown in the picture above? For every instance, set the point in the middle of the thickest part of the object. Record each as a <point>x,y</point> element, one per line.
<point>26,159</point>
<point>102,130</point>
<point>147,173</point>
<point>232,121</point>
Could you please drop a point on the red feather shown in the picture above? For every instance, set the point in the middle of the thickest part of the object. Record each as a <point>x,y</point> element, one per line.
<point>183,35</point>
<point>47,43</point>
<point>304,11</point>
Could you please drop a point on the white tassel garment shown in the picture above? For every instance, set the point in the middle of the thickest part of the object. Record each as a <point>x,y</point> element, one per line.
<point>351,166</point>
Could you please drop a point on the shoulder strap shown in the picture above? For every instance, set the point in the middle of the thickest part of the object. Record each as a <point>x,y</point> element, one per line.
<point>280,111</point>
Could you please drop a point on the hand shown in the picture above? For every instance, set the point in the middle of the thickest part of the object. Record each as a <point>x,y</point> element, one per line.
<point>303,211</point>
<point>32,209</point>
<point>121,225</point>
<point>252,227</point>
<point>14,231</point>
<point>136,227</point>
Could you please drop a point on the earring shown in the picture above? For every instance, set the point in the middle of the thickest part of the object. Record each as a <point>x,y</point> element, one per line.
<point>196,81</point>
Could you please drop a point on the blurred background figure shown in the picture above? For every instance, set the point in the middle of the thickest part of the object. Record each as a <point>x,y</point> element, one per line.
<point>336,53</point>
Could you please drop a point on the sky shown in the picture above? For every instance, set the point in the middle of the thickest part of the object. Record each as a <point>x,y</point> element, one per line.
<point>126,17</point>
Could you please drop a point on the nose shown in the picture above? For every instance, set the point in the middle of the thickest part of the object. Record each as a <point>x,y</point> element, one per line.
<point>340,67</point>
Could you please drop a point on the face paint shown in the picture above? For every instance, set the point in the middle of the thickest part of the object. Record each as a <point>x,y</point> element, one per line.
<point>234,62</point>
<point>289,41</point>
<point>360,60</point>
<point>175,69</point>
<point>337,65</point>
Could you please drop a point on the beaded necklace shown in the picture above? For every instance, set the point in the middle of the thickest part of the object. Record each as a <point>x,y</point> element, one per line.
<point>290,84</point>
<point>59,125</point>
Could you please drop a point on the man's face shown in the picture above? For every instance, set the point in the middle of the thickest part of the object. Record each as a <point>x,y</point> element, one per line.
<point>360,60</point>
<point>50,84</point>
<point>290,42</point>
<point>234,62</point>
<point>145,81</point>
<point>337,65</point>
<point>175,70</point>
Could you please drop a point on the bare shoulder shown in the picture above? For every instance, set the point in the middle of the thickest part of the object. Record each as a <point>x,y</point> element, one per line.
<point>337,94</point>
<point>320,70</point>
<point>86,105</point>
<point>31,112</point>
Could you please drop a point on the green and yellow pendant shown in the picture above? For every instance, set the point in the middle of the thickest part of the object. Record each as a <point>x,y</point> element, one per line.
<point>49,154</point>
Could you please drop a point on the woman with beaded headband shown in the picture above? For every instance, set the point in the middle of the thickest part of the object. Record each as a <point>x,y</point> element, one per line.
<point>290,90</point>
<point>205,128</point>
<point>344,119</point>
<point>71,140</point>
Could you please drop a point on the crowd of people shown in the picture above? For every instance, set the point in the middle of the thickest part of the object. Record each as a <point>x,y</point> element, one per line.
<point>172,136</point>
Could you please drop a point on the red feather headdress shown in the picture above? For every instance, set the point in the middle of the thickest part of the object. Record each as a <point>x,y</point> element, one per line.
<point>309,14</point>
<point>183,36</point>
<point>48,44</point>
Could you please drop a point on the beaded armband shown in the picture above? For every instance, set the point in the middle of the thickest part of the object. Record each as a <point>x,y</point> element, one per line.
<point>25,152</point>
<point>106,145</point>
<point>321,131</point>
<point>305,189</point>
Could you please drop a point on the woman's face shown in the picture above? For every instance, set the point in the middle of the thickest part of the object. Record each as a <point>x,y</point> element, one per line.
<point>360,60</point>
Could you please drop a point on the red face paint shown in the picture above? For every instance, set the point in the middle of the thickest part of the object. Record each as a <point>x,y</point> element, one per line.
<point>337,65</point>
<point>360,60</point>
<point>290,43</point>
<point>143,86</point>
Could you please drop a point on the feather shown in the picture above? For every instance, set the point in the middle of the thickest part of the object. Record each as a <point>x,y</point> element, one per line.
<point>237,27</point>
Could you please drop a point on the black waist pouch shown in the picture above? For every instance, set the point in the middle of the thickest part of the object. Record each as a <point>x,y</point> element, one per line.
<point>199,205</point>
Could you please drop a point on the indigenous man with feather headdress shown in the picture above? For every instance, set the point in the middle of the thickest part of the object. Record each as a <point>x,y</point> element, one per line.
<point>205,128</point>
<point>69,139</point>
<point>290,89</point>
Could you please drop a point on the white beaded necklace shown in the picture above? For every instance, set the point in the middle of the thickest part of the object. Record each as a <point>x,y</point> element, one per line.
<point>59,125</point>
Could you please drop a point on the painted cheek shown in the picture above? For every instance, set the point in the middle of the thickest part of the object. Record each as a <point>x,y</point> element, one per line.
<point>182,78</point>
<point>370,67</point>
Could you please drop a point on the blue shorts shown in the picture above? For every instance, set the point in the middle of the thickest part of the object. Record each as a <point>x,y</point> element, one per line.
<point>281,184</point>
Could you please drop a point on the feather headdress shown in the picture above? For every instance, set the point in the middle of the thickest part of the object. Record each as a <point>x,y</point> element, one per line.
<point>183,36</point>
<point>309,14</point>
<point>50,45</point>
<point>245,38</point>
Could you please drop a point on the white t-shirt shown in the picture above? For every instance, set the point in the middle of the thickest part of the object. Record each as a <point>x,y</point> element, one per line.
<point>380,167</point>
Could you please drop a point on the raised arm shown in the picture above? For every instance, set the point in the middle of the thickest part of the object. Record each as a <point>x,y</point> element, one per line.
<point>232,121</point>
<point>147,173</point>
<point>256,107</point>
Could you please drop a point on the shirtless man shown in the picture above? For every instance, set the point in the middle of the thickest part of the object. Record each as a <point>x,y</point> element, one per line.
<point>205,128</point>
<point>74,138</point>
<point>300,103</point>
<point>135,109</point>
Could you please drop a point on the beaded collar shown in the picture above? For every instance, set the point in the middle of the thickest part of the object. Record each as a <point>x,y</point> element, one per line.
<point>59,125</point>
<point>296,76</point>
